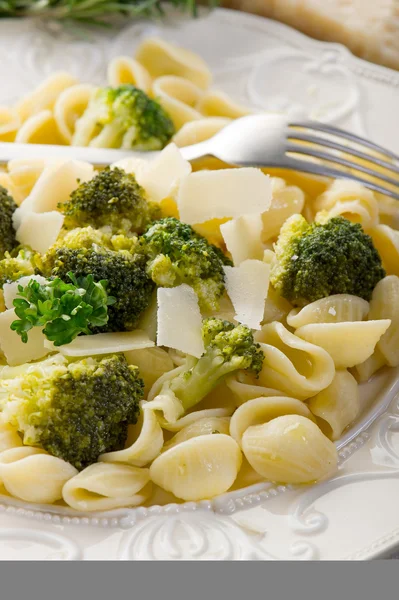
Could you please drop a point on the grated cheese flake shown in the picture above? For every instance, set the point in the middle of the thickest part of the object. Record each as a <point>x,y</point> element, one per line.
<point>179,320</point>
<point>39,231</point>
<point>207,195</point>
<point>103,343</point>
<point>13,348</point>
<point>242,237</point>
<point>247,287</point>
<point>10,290</point>
<point>164,174</point>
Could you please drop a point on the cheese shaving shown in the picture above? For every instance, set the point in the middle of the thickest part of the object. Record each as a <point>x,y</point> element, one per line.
<point>162,177</point>
<point>207,195</point>
<point>13,348</point>
<point>179,320</point>
<point>10,290</point>
<point>103,343</point>
<point>247,287</point>
<point>39,231</point>
<point>242,237</point>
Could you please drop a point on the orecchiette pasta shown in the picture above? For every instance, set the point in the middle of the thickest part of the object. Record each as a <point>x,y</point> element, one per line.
<point>191,419</point>
<point>105,486</point>
<point>366,370</point>
<point>124,69</point>
<point>349,344</point>
<point>289,449</point>
<point>40,128</point>
<point>9,437</point>
<point>351,200</point>
<point>44,96</point>
<point>34,476</point>
<point>178,96</point>
<point>9,124</point>
<point>199,130</point>
<point>262,410</point>
<point>152,364</point>
<point>276,307</point>
<point>384,304</point>
<point>338,405</point>
<point>244,387</point>
<point>205,426</point>
<point>198,468</point>
<point>145,448</point>
<point>386,240</point>
<point>160,57</point>
<point>286,201</point>
<point>333,309</point>
<point>291,364</point>
<point>69,107</point>
<point>217,104</point>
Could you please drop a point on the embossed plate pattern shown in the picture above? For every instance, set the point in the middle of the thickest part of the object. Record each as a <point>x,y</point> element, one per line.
<point>352,516</point>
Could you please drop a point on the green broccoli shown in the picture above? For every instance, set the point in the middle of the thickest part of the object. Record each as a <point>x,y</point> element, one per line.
<point>88,251</point>
<point>111,199</point>
<point>73,410</point>
<point>176,254</point>
<point>7,231</point>
<point>228,348</point>
<point>16,264</point>
<point>321,259</point>
<point>123,117</point>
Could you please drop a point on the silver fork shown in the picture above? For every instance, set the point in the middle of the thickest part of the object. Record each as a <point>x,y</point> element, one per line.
<point>261,141</point>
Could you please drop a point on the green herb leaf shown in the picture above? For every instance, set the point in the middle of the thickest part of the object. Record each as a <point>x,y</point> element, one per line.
<point>64,310</point>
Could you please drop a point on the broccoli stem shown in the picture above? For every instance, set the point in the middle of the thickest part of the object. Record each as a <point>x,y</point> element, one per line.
<point>191,386</point>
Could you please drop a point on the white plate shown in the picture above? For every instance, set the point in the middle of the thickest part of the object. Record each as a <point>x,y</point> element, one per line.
<point>354,515</point>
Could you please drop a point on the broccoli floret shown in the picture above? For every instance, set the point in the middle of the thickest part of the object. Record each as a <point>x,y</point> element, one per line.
<point>228,348</point>
<point>7,231</point>
<point>87,251</point>
<point>321,259</point>
<point>16,264</point>
<point>111,199</point>
<point>123,117</point>
<point>75,411</point>
<point>176,254</point>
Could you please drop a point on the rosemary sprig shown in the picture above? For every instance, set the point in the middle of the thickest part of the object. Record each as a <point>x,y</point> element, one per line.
<point>89,11</point>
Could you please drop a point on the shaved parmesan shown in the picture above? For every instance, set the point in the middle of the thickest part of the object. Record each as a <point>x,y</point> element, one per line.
<point>247,287</point>
<point>40,230</point>
<point>135,166</point>
<point>104,343</point>
<point>162,177</point>
<point>10,290</point>
<point>207,195</point>
<point>55,185</point>
<point>242,237</point>
<point>13,348</point>
<point>179,320</point>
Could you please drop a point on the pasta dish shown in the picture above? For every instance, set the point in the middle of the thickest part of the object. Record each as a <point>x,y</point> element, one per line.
<point>172,331</point>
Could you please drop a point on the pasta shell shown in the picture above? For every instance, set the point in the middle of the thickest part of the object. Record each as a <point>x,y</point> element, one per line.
<point>244,387</point>
<point>104,486</point>
<point>338,405</point>
<point>348,344</point>
<point>9,437</point>
<point>384,304</point>
<point>45,95</point>
<point>289,449</point>
<point>152,364</point>
<point>351,200</point>
<point>163,58</point>
<point>178,97</point>
<point>286,201</point>
<point>34,476</point>
<point>199,130</point>
<point>145,448</point>
<point>124,69</point>
<point>366,370</point>
<point>333,309</point>
<point>263,410</point>
<point>204,426</point>
<point>9,124</point>
<point>218,104</point>
<point>69,107</point>
<point>40,128</point>
<point>199,468</point>
<point>276,307</point>
<point>292,365</point>
<point>386,240</point>
<point>198,415</point>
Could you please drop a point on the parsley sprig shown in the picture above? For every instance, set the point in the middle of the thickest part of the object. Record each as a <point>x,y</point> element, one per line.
<point>64,310</point>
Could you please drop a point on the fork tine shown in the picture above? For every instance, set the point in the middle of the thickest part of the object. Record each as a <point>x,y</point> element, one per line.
<point>298,149</point>
<point>324,128</point>
<point>314,139</point>
<point>324,171</point>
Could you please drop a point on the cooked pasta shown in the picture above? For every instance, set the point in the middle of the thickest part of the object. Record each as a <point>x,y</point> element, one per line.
<point>233,378</point>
